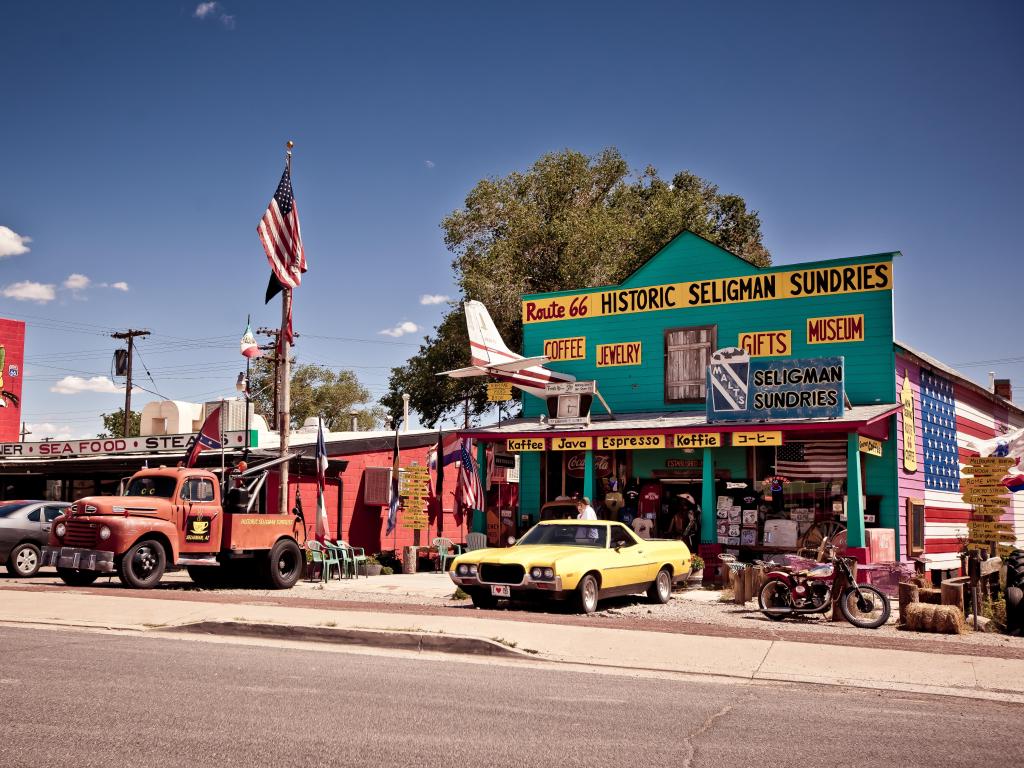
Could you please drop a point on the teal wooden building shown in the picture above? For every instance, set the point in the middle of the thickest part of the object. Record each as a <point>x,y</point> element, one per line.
<point>648,343</point>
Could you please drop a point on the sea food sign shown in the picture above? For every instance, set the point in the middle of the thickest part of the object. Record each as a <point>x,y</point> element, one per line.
<point>741,389</point>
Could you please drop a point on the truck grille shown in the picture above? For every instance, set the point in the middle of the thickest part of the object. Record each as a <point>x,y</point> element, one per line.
<point>80,534</point>
<point>501,574</point>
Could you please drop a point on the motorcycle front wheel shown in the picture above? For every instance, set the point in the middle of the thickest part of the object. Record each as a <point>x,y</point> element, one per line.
<point>774,595</point>
<point>865,607</point>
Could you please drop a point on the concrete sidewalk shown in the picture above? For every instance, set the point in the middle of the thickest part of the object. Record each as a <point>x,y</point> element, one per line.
<point>752,659</point>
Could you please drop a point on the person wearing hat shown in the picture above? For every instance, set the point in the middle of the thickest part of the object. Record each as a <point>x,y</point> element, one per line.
<point>586,512</point>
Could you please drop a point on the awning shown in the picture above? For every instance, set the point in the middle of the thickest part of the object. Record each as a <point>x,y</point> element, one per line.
<point>863,419</point>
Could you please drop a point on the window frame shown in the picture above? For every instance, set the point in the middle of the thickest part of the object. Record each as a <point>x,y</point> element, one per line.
<point>712,346</point>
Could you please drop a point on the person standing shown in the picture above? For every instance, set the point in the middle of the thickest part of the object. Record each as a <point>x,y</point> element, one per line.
<point>584,510</point>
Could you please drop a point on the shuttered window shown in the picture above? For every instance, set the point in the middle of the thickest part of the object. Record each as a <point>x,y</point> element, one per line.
<point>376,486</point>
<point>687,352</point>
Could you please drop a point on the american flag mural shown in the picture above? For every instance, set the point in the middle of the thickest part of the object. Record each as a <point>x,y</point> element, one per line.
<point>949,413</point>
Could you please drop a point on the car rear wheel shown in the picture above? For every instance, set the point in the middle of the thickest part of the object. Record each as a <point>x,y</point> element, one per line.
<point>24,560</point>
<point>660,590</point>
<point>587,594</point>
<point>142,566</point>
<point>74,578</point>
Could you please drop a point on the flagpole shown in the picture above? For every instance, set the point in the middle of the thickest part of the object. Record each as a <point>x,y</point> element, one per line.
<point>221,431</point>
<point>284,423</point>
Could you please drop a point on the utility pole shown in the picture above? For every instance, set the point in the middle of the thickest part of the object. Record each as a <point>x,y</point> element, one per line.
<point>273,333</point>
<point>130,336</point>
<point>24,431</point>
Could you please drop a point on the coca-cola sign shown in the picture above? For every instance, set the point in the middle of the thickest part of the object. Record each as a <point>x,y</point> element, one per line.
<point>575,464</point>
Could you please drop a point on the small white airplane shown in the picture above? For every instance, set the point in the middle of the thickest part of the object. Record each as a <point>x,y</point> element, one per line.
<point>491,357</point>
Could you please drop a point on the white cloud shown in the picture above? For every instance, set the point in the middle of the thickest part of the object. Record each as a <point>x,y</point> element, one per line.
<point>429,163</point>
<point>205,9</point>
<point>26,290</point>
<point>46,429</point>
<point>72,385</point>
<point>11,243</point>
<point>227,21</point>
<point>429,299</point>
<point>401,329</point>
<point>119,286</point>
<point>77,282</point>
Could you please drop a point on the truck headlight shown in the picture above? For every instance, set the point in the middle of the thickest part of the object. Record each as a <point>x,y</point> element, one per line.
<point>104,532</point>
<point>60,530</point>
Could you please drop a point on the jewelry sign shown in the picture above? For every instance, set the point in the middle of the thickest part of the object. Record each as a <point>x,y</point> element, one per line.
<point>743,389</point>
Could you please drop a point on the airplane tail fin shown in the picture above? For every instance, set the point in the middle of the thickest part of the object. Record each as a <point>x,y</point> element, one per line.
<point>486,344</point>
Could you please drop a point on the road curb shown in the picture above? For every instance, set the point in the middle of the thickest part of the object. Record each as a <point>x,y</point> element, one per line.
<point>368,638</point>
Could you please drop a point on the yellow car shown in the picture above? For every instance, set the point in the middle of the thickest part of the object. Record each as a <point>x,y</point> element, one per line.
<point>582,560</point>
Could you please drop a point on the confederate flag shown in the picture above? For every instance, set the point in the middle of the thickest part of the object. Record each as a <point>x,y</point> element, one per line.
<point>208,437</point>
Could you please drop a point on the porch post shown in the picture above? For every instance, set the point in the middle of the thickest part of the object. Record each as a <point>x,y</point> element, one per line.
<point>589,478</point>
<point>708,531</point>
<point>854,509</point>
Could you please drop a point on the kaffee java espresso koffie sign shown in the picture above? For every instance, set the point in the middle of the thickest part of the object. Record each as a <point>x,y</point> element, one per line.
<point>741,389</point>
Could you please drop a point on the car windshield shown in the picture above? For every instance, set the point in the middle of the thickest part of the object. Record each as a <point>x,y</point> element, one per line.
<point>9,509</point>
<point>566,535</point>
<point>152,486</point>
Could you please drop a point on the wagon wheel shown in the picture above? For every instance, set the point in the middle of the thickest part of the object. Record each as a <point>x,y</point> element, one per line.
<point>810,544</point>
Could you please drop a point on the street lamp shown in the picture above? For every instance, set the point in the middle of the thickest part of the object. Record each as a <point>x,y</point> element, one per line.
<point>242,385</point>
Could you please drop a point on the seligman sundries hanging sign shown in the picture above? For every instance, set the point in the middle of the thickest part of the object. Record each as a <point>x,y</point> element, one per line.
<point>766,286</point>
<point>741,389</point>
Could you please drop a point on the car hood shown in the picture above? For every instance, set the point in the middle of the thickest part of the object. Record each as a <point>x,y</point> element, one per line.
<point>529,554</point>
<point>132,505</point>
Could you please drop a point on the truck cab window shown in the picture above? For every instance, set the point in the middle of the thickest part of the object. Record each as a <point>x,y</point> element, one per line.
<point>197,489</point>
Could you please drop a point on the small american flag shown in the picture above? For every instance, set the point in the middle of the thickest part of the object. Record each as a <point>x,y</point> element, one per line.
<point>279,232</point>
<point>816,459</point>
<point>469,494</point>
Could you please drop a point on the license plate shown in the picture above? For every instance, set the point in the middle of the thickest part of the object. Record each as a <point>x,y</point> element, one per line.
<point>498,590</point>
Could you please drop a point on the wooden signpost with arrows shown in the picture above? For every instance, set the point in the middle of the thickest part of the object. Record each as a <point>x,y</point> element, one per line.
<point>987,533</point>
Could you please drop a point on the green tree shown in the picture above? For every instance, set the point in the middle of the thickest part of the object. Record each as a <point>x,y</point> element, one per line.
<point>570,221</point>
<point>113,424</point>
<point>315,391</point>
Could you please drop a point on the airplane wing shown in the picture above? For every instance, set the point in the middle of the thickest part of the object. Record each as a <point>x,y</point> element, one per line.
<point>517,365</point>
<point>464,373</point>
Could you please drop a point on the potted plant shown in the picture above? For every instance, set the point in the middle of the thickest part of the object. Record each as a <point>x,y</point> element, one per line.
<point>696,569</point>
<point>370,567</point>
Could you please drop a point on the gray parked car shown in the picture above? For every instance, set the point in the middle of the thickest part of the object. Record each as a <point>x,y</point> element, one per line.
<point>24,529</point>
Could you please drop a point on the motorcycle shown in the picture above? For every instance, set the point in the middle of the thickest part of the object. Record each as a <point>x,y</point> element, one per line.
<point>786,592</point>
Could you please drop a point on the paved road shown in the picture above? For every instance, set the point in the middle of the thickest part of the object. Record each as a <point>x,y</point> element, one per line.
<point>89,699</point>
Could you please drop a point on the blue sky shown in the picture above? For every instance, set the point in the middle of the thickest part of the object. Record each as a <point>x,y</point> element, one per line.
<point>142,142</point>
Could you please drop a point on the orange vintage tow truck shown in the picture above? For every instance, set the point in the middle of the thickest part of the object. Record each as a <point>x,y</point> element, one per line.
<point>173,516</point>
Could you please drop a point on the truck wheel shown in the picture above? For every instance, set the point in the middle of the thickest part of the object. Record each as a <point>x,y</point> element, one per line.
<point>24,560</point>
<point>142,566</point>
<point>74,578</point>
<point>661,588</point>
<point>285,565</point>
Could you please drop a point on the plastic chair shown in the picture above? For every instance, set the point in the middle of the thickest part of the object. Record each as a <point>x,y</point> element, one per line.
<point>326,556</point>
<point>356,555</point>
<point>346,568</point>
<point>475,541</point>
<point>442,545</point>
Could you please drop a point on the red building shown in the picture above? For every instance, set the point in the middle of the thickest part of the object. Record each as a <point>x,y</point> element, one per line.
<point>12,359</point>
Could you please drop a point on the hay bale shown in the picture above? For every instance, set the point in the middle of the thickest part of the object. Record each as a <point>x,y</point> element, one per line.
<point>909,593</point>
<point>927,617</point>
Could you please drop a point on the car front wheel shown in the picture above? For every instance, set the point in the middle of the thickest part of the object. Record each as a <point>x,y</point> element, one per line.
<point>587,594</point>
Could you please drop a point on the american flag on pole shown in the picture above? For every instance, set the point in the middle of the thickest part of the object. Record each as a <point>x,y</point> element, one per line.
<point>282,240</point>
<point>824,459</point>
<point>395,500</point>
<point>321,483</point>
<point>469,494</point>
